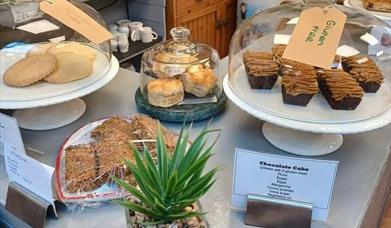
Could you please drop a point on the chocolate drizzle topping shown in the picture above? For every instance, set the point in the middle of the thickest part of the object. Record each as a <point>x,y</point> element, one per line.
<point>260,63</point>
<point>363,72</point>
<point>341,84</point>
<point>299,82</point>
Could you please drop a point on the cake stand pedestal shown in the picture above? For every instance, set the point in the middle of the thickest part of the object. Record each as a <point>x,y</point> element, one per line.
<point>301,142</point>
<point>50,117</point>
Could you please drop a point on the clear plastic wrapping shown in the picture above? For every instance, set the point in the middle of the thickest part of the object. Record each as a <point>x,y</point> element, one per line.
<point>97,151</point>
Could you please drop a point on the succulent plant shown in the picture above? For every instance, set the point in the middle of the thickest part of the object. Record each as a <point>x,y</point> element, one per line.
<point>172,183</point>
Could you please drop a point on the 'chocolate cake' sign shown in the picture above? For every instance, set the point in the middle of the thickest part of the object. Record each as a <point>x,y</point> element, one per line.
<point>315,39</point>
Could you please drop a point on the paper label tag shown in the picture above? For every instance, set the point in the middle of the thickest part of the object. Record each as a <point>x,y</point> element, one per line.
<point>283,177</point>
<point>76,19</point>
<point>316,36</point>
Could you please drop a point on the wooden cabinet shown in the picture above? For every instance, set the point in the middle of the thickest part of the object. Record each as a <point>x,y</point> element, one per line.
<point>212,22</point>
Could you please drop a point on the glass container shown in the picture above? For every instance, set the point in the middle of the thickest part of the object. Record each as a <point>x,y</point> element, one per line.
<point>265,30</point>
<point>26,30</point>
<point>179,71</point>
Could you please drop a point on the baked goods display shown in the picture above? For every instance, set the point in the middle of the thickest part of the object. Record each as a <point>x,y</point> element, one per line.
<point>198,81</point>
<point>177,76</point>
<point>30,70</point>
<point>365,71</point>
<point>298,86</point>
<point>88,166</point>
<point>54,63</point>
<point>261,68</point>
<point>341,91</point>
<point>377,5</point>
<point>165,92</point>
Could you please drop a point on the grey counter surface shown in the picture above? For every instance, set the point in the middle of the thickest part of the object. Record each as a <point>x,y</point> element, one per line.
<point>362,163</point>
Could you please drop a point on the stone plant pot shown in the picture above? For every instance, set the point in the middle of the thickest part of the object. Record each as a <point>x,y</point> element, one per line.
<point>196,222</point>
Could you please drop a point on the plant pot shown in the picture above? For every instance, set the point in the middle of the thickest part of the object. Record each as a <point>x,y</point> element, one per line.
<point>133,219</point>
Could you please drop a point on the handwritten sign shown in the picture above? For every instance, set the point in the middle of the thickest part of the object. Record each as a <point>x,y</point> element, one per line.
<point>73,17</point>
<point>316,36</point>
<point>282,177</point>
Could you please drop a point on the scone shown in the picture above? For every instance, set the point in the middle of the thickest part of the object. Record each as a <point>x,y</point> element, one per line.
<point>377,5</point>
<point>165,92</point>
<point>198,81</point>
<point>70,67</point>
<point>30,69</point>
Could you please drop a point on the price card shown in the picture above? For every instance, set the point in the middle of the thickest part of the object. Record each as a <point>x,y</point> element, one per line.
<point>316,36</point>
<point>282,177</point>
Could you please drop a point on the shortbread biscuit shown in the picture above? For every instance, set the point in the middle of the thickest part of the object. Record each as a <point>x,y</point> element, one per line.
<point>73,47</point>
<point>30,69</point>
<point>39,49</point>
<point>377,5</point>
<point>70,67</point>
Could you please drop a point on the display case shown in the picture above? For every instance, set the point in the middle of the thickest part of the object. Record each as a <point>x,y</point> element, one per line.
<point>297,96</point>
<point>45,62</point>
<point>182,77</point>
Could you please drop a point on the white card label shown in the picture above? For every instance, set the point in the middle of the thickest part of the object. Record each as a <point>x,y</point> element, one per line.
<point>29,173</point>
<point>10,134</point>
<point>283,177</point>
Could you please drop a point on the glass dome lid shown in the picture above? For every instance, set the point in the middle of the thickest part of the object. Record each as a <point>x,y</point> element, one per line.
<point>60,57</point>
<point>364,52</point>
<point>190,69</point>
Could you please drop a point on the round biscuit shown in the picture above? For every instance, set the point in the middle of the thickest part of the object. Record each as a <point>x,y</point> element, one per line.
<point>30,69</point>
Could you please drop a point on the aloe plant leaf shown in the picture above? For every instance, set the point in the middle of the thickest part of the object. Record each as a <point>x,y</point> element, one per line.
<point>135,207</point>
<point>162,155</point>
<point>131,190</point>
<point>180,148</point>
<point>190,190</point>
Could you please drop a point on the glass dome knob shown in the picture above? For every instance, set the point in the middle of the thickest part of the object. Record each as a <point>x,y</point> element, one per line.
<point>180,34</point>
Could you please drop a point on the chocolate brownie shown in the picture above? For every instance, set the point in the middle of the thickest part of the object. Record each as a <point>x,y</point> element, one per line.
<point>298,86</point>
<point>341,91</point>
<point>365,71</point>
<point>261,69</point>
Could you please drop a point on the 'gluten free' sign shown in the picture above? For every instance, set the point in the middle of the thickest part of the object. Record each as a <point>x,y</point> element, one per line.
<point>315,39</point>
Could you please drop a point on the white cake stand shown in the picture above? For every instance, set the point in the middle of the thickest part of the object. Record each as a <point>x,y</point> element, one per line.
<point>305,137</point>
<point>48,109</point>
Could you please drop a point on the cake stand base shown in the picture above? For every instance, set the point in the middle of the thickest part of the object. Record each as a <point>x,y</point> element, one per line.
<point>300,142</point>
<point>50,117</point>
<point>180,113</point>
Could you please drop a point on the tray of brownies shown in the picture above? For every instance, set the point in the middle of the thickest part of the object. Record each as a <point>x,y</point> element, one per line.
<point>352,91</point>
<point>94,153</point>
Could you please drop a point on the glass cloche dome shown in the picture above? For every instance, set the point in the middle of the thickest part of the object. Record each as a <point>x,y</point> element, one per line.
<point>261,79</point>
<point>179,72</point>
<point>32,41</point>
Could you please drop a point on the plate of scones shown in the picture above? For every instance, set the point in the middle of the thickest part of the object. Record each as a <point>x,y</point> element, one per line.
<point>353,90</point>
<point>96,151</point>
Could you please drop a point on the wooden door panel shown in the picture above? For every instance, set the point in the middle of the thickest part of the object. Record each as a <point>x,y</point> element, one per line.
<point>203,27</point>
<point>229,27</point>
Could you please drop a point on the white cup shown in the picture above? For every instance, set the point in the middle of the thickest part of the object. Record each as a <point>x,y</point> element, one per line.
<point>135,27</point>
<point>123,46</point>
<point>124,29</point>
<point>122,37</point>
<point>147,35</point>
<point>114,45</point>
<point>113,28</point>
<point>124,22</point>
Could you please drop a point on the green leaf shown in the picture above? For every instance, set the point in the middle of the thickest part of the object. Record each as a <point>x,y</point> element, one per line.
<point>171,184</point>
<point>137,208</point>
<point>180,148</point>
<point>162,156</point>
<point>193,169</point>
<point>191,190</point>
<point>132,190</point>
